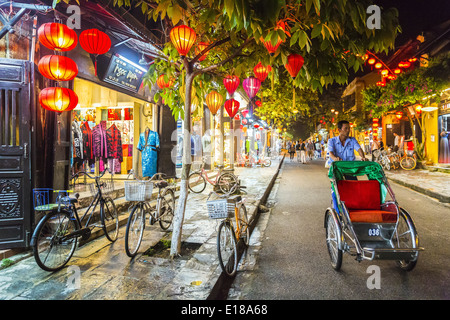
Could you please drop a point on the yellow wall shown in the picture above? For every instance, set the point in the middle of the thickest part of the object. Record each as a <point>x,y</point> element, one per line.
<point>430,133</point>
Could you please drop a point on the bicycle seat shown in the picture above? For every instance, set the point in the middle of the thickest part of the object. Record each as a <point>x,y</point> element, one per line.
<point>161,184</point>
<point>235,198</point>
<point>220,166</point>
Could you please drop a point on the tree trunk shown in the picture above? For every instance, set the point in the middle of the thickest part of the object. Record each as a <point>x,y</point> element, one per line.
<point>175,248</point>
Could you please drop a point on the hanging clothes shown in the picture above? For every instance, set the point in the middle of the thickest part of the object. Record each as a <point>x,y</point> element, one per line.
<point>88,154</point>
<point>77,145</point>
<point>99,139</point>
<point>148,142</point>
<point>115,153</point>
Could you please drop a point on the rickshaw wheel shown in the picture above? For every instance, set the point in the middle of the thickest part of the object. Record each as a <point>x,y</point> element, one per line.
<point>406,237</point>
<point>333,241</point>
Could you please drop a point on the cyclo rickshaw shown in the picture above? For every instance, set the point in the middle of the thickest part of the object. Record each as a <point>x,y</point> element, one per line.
<point>365,220</point>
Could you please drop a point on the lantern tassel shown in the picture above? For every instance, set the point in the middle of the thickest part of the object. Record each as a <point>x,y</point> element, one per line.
<point>96,66</point>
<point>293,98</point>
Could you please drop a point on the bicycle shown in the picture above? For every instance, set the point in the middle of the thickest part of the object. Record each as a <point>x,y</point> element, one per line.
<point>140,191</point>
<point>224,180</point>
<point>56,236</point>
<point>262,161</point>
<point>232,228</point>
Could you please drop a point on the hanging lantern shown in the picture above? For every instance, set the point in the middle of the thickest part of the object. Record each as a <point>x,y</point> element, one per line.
<point>214,101</point>
<point>261,71</point>
<point>237,117</point>
<point>201,46</point>
<point>183,38</point>
<point>258,103</point>
<point>295,63</point>
<point>251,86</point>
<point>412,60</point>
<point>271,48</point>
<point>95,42</point>
<point>256,125</point>
<point>419,108</point>
<point>371,61</point>
<point>58,68</point>
<point>244,121</point>
<point>399,115</point>
<point>397,71</point>
<point>162,84</point>
<point>232,107</point>
<point>381,83</point>
<point>375,120</point>
<point>375,125</point>
<point>384,72</point>
<point>231,83</point>
<point>244,113</point>
<point>404,64</point>
<point>58,99</point>
<point>57,36</point>
<point>378,65</point>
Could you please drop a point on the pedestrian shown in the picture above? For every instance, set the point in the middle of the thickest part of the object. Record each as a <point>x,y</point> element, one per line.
<point>303,152</point>
<point>375,149</point>
<point>291,151</point>
<point>310,150</point>
<point>297,150</point>
<point>342,147</point>
<point>398,143</point>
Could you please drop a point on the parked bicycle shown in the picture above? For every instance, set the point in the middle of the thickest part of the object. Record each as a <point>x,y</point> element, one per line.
<point>56,236</point>
<point>140,191</point>
<point>233,228</point>
<point>225,179</point>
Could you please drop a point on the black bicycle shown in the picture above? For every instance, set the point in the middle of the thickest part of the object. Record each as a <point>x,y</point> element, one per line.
<point>56,236</point>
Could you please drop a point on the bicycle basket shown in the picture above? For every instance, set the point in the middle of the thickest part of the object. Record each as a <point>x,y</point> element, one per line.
<point>138,190</point>
<point>220,208</point>
<point>107,186</point>
<point>41,199</point>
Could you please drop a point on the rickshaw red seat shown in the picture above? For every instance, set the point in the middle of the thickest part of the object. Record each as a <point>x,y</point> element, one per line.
<point>363,201</point>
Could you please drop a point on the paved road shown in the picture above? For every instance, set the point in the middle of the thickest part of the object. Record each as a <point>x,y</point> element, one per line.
<point>293,262</point>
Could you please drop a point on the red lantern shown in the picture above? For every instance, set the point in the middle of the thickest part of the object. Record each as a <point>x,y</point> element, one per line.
<point>244,121</point>
<point>371,61</point>
<point>214,101</point>
<point>95,42</point>
<point>258,103</point>
<point>256,125</point>
<point>232,107</point>
<point>271,48</point>
<point>58,68</point>
<point>261,71</point>
<point>57,36</point>
<point>381,84</point>
<point>237,117</point>
<point>399,115</point>
<point>295,63</point>
<point>162,83</point>
<point>244,113</point>
<point>419,108</point>
<point>231,83</point>
<point>183,38</point>
<point>58,99</point>
<point>404,64</point>
<point>201,46</point>
<point>378,65</point>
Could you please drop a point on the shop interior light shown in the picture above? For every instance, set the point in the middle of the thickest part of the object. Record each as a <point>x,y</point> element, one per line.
<point>429,108</point>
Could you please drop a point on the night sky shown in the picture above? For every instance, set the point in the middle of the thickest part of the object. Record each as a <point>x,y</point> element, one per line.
<point>416,16</point>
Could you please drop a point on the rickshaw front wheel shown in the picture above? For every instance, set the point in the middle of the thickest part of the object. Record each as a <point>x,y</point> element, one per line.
<point>406,237</point>
<point>333,235</point>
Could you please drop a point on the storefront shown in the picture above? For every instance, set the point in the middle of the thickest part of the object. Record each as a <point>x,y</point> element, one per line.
<point>444,132</point>
<point>111,114</point>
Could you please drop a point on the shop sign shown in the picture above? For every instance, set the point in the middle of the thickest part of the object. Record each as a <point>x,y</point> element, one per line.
<point>123,73</point>
<point>445,108</point>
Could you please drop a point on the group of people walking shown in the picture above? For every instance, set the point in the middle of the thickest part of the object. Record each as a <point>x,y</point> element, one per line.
<point>303,149</point>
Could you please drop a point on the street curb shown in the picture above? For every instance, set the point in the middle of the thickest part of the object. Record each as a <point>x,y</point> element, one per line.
<point>440,197</point>
<point>223,284</point>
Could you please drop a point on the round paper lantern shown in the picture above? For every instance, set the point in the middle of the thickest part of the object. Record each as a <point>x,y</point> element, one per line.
<point>258,103</point>
<point>381,83</point>
<point>399,115</point>
<point>404,64</point>
<point>261,71</point>
<point>251,86</point>
<point>244,113</point>
<point>232,107</point>
<point>271,48</point>
<point>57,36</point>
<point>58,68</point>
<point>371,61</point>
<point>201,46</point>
<point>419,108</point>
<point>295,63</point>
<point>161,82</point>
<point>214,101</point>
<point>183,38</point>
<point>256,125</point>
<point>95,42</point>
<point>58,99</point>
<point>378,65</point>
<point>231,83</point>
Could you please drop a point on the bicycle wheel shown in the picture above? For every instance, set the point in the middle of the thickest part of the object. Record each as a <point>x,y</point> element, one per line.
<point>196,182</point>
<point>266,162</point>
<point>332,234</point>
<point>226,248</point>
<point>166,209</point>
<point>244,231</point>
<point>406,237</point>
<point>135,230</point>
<point>110,219</point>
<point>408,163</point>
<point>51,248</point>
<point>226,181</point>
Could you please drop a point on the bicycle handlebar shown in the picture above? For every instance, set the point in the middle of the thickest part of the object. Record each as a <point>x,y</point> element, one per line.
<point>226,195</point>
<point>92,177</point>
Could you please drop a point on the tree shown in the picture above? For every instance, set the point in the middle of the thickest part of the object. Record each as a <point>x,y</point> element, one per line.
<point>330,34</point>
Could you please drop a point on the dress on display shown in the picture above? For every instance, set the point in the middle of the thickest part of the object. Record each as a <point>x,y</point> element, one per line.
<point>148,142</point>
<point>444,149</point>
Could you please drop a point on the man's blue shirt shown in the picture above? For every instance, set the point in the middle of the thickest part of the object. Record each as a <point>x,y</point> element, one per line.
<point>347,151</point>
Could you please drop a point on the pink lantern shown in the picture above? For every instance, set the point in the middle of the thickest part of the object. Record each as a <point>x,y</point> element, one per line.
<point>244,113</point>
<point>251,86</point>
